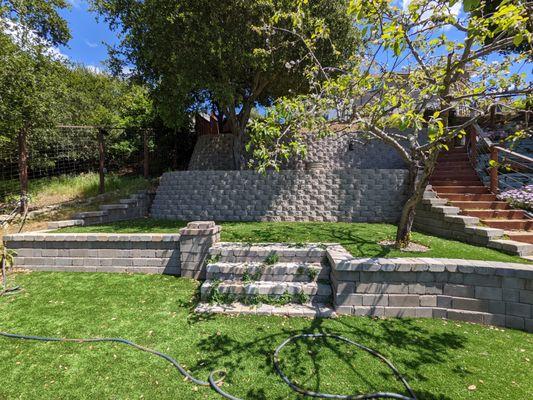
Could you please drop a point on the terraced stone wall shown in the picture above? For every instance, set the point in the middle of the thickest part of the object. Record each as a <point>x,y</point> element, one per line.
<point>490,293</point>
<point>358,195</point>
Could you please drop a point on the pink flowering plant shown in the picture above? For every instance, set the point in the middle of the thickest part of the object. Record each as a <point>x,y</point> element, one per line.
<point>520,198</point>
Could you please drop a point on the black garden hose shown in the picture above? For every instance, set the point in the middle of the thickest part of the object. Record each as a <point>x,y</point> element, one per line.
<point>213,382</point>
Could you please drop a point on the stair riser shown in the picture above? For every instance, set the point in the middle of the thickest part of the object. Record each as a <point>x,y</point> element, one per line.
<point>450,175</point>
<point>453,182</point>
<point>522,238</point>
<point>472,197</point>
<point>453,164</point>
<point>281,258</point>
<point>460,189</point>
<point>313,299</point>
<point>480,205</point>
<point>507,214</point>
<point>454,158</point>
<point>510,225</point>
<point>322,276</point>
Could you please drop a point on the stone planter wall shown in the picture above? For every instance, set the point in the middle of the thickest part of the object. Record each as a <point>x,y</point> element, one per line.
<point>490,293</point>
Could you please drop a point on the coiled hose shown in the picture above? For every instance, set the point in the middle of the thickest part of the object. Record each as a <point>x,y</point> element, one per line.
<point>217,376</point>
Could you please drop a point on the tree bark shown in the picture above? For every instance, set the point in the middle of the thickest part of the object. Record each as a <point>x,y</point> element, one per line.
<point>23,169</point>
<point>418,180</point>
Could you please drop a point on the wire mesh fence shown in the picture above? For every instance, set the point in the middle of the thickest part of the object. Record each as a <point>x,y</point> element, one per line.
<point>68,151</point>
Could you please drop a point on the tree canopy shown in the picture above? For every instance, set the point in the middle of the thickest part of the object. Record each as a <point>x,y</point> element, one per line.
<point>196,53</point>
<point>401,84</point>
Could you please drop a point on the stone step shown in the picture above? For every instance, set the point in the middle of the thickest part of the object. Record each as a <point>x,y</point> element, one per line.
<point>486,197</point>
<point>510,224</point>
<point>307,291</point>
<point>481,205</point>
<point>268,254</point>
<point>460,189</point>
<point>495,214</point>
<point>521,236</point>
<point>90,214</point>
<point>512,247</point>
<point>109,207</point>
<point>280,272</point>
<point>65,223</point>
<point>288,310</point>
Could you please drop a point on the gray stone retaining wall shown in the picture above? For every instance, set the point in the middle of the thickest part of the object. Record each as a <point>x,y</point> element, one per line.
<point>75,252</point>
<point>213,152</point>
<point>359,195</point>
<point>490,293</point>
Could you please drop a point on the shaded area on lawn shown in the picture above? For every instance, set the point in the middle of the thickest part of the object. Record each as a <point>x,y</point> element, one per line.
<point>360,239</point>
<point>440,359</point>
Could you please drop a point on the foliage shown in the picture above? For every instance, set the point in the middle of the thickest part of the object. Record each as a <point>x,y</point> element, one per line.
<point>360,239</point>
<point>519,198</point>
<point>194,54</point>
<point>401,84</point>
<point>272,258</point>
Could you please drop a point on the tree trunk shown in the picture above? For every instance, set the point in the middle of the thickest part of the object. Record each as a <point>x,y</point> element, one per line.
<point>418,180</point>
<point>23,169</point>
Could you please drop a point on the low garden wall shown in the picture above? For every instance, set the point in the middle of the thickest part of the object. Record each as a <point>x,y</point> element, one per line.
<point>485,292</point>
<point>358,195</point>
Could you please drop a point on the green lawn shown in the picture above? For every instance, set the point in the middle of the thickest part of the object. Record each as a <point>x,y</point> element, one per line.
<point>362,240</point>
<point>440,359</point>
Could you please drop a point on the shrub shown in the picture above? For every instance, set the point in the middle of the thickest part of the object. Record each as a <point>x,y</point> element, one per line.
<point>519,198</point>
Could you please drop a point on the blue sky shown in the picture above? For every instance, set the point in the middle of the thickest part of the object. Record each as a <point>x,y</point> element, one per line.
<point>88,35</point>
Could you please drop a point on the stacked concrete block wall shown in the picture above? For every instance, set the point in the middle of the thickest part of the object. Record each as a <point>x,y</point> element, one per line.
<point>195,241</point>
<point>136,206</point>
<point>213,152</point>
<point>339,151</point>
<point>371,195</point>
<point>76,252</point>
<point>436,217</point>
<point>490,293</point>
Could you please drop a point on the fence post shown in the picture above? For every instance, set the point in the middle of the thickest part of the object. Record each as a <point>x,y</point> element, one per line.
<point>494,170</point>
<point>473,144</point>
<point>23,169</point>
<point>101,162</point>
<point>146,160</point>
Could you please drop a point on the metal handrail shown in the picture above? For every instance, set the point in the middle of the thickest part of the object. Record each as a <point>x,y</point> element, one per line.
<point>513,153</point>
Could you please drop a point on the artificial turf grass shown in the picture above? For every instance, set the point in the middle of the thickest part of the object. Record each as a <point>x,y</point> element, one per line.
<point>360,239</point>
<point>440,359</point>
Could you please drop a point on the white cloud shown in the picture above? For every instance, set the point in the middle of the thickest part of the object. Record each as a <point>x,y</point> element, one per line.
<point>76,3</point>
<point>94,69</point>
<point>454,10</point>
<point>91,44</point>
<point>26,38</point>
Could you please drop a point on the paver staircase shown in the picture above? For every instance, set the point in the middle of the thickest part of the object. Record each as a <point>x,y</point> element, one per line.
<point>456,180</point>
<point>278,279</point>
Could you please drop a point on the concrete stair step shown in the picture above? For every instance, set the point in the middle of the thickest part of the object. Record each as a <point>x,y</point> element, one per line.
<point>280,272</point>
<point>485,197</point>
<point>460,189</point>
<point>312,290</point>
<point>65,223</point>
<point>108,207</point>
<point>268,254</point>
<point>90,214</point>
<point>480,205</point>
<point>520,236</point>
<point>511,246</point>
<point>495,214</point>
<point>288,310</point>
<point>509,224</point>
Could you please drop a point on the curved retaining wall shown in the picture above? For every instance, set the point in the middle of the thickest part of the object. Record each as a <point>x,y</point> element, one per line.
<point>490,293</point>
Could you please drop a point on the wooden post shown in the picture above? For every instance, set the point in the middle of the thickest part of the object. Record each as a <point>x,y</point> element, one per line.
<point>23,169</point>
<point>146,161</point>
<point>473,144</point>
<point>494,170</point>
<point>493,115</point>
<point>101,163</point>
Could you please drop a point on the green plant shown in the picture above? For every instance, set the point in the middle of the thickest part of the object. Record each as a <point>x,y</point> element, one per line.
<point>248,277</point>
<point>272,258</point>
<point>212,259</point>
<point>312,273</point>
<point>301,297</point>
<point>300,270</point>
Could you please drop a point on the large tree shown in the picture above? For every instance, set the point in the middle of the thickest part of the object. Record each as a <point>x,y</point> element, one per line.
<point>426,56</point>
<point>198,53</point>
